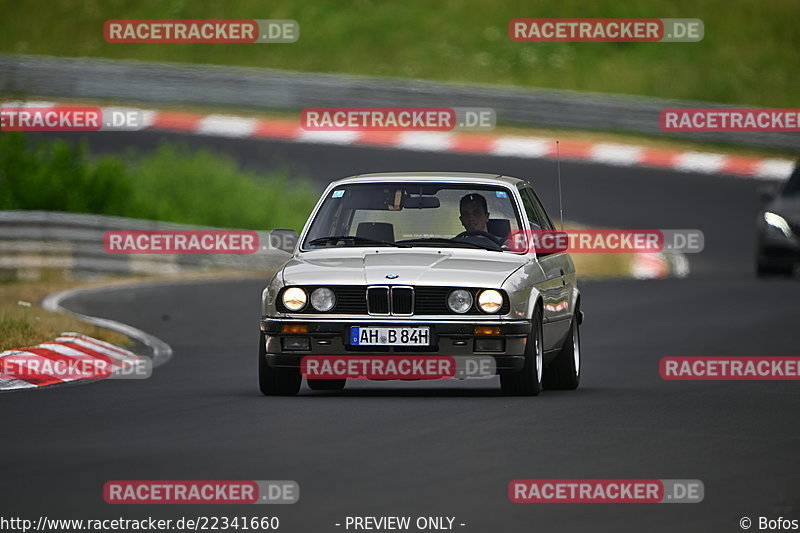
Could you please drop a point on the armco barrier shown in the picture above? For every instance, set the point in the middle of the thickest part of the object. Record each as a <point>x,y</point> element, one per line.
<point>259,88</point>
<point>32,242</point>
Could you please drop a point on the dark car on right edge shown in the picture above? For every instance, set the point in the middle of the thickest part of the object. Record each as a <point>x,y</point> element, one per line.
<point>778,242</point>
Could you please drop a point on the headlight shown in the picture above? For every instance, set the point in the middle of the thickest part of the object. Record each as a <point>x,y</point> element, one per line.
<point>777,221</point>
<point>459,301</point>
<point>490,301</point>
<point>323,299</point>
<point>294,298</point>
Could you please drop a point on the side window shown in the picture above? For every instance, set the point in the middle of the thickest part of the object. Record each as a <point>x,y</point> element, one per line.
<point>530,208</point>
<point>541,214</point>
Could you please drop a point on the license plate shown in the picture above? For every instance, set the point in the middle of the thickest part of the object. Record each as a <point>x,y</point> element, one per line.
<point>391,336</point>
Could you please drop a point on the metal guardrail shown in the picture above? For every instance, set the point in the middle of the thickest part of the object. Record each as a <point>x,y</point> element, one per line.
<point>34,242</point>
<point>257,88</point>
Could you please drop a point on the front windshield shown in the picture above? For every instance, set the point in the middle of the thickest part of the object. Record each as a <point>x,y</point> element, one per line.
<point>415,214</point>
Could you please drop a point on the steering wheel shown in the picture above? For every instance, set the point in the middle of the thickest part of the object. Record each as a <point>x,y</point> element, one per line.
<point>478,233</point>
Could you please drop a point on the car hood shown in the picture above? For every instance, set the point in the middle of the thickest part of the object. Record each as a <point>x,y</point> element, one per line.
<point>368,266</point>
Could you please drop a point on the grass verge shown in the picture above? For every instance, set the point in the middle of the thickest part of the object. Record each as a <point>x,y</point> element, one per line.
<point>746,57</point>
<point>171,184</point>
<point>23,323</point>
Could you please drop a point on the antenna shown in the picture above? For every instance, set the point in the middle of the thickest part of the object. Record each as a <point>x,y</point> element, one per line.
<point>560,203</point>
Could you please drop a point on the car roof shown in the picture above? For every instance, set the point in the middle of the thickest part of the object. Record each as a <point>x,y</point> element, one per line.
<point>451,177</point>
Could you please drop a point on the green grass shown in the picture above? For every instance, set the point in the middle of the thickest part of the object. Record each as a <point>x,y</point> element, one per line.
<point>171,184</point>
<point>748,56</point>
<point>28,325</point>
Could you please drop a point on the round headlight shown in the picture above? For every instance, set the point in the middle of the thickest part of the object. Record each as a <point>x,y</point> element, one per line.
<point>490,301</point>
<point>323,299</point>
<point>459,301</point>
<point>294,298</point>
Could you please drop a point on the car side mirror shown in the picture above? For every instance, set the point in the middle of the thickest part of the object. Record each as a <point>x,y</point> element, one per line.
<point>283,239</point>
<point>539,242</point>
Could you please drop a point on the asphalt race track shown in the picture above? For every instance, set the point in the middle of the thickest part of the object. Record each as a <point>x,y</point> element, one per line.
<point>444,448</point>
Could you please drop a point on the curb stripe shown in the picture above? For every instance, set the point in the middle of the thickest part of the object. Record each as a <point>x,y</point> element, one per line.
<point>276,129</point>
<point>532,147</point>
<point>52,353</point>
<point>227,126</point>
<point>102,346</point>
<point>775,168</point>
<point>40,380</point>
<point>616,154</point>
<point>67,348</point>
<point>457,142</point>
<point>172,121</point>
<point>80,352</point>
<point>481,144</point>
<point>433,141</point>
<point>380,138</point>
<point>328,137</point>
<point>700,162</point>
<point>13,383</point>
<point>87,349</point>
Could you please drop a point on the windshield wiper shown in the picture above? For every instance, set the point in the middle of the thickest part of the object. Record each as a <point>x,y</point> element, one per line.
<point>354,240</point>
<point>439,240</point>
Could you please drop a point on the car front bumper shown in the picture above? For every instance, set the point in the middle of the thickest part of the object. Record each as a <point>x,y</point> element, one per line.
<point>448,338</point>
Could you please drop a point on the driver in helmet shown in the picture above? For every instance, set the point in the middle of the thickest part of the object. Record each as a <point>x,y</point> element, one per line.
<point>474,213</point>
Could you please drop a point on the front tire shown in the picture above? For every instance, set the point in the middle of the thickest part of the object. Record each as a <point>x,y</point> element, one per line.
<point>276,381</point>
<point>564,372</point>
<point>528,381</point>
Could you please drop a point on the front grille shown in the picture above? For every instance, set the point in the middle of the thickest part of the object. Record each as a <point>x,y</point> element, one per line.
<point>350,300</point>
<point>378,300</point>
<point>402,300</point>
<point>432,301</point>
<point>396,301</point>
